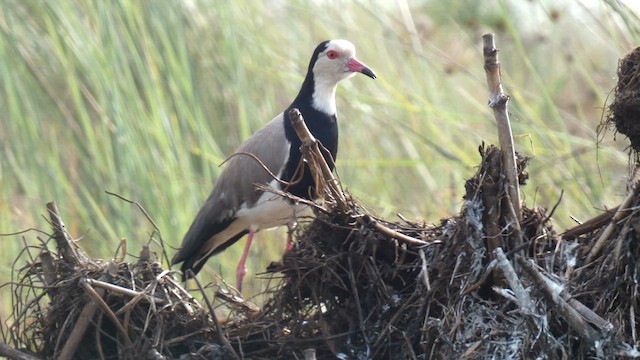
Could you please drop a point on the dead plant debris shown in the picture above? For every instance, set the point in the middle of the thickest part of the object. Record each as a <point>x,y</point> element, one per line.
<point>624,111</point>
<point>349,291</point>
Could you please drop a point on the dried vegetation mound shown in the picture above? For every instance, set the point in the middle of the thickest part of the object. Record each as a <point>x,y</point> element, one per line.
<point>353,291</point>
<point>66,305</point>
<point>358,288</point>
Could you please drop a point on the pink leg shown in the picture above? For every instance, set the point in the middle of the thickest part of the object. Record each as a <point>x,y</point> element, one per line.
<point>290,228</point>
<point>241,270</point>
<point>289,241</point>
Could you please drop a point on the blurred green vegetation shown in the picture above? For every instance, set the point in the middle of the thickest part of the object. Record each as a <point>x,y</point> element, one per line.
<point>147,98</point>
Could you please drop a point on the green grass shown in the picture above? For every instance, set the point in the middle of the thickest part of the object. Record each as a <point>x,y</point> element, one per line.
<point>147,98</point>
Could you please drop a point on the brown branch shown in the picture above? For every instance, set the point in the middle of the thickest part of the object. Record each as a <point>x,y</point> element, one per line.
<point>262,165</point>
<point>146,293</point>
<point>153,223</point>
<point>590,225</point>
<point>82,323</point>
<point>317,164</point>
<point>97,295</point>
<point>291,197</point>
<point>514,282</point>
<point>621,212</point>
<point>552,293</point>
<point>13,354</point>
<point>124,291</point>
<point>489,195</point>
<point>370,221</point>
<point>140,207</point>
<point>222,337</point>
<point>498,102</point>
<point>553,209</point>
<point>488,270</point>
<point>61,236</point>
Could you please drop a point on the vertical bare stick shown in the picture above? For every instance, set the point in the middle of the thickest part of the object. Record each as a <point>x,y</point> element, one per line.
<point>62,237</point>
<point>498,101</point>
<point>311,152</point>
<point>222,337</point>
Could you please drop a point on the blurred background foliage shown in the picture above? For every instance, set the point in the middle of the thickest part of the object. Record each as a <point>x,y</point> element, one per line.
<point>147,98</point>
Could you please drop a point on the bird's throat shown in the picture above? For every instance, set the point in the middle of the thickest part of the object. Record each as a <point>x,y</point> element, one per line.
<point>324,96</point>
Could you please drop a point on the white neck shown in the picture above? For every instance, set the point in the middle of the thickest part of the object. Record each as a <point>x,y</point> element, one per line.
<point>324,95</point>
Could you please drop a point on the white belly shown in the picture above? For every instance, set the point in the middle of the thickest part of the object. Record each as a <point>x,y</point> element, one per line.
<point>270,211</point>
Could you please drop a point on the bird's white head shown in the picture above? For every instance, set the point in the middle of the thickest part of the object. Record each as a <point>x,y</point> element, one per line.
<point>335,60</point>
<point>338,62</point>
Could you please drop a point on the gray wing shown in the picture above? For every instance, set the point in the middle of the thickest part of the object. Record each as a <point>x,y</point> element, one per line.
<point>242,172</point>
<point>235,186</point>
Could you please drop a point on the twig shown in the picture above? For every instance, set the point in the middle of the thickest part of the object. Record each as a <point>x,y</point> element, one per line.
<point>469,353</point>
<point>236,299</point>
<point>123,291</point>
<point>490,196</point>
<point>293,198</point>
<point>262,165</point>
<point>311,152</point>
<point>552,293</point>
<point>13,354</point>
<point>140,207</point>
<point>182,294</point>
<point>498,103</point>
<point>425,270</point>
<point>515,239</point>
<point>309,354</point>
<point>62,237</point>
<point>146,214</point>
<point>122,249</point>
<point>553,209</point>
<point>622,235</point>
<point>514,282</point>
<point>370,221</point>
<point>81,325</point>
<point>48,269</point>
<point>456,267</point>
<point>356,297</point>
<point>483,278</point>
<point>391,324</point>
<point>632,321</point>
<point>99,348</point>
<point>137,296</point>
<point>622,211</point>
<point>221,334</point>
<point>98,298</point>
<point>590,225</point>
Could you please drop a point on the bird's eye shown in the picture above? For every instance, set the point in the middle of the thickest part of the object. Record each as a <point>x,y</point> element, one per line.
<point>332,54</point>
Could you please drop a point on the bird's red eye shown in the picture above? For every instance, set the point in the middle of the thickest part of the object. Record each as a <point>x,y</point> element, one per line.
<point>332,54</point>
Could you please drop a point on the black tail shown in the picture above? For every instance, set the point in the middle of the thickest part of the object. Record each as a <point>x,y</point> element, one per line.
<point>193,254</point>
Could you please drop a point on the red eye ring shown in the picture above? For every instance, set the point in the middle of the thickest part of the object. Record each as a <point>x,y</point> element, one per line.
<point>332,54</point>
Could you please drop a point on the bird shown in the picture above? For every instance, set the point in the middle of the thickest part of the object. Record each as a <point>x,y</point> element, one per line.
<point>235,206</point>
